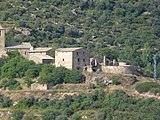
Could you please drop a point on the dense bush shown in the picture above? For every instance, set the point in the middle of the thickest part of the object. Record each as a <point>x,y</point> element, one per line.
<point>10,84</point>
<point>29,117</point>
<point>25,103</point>
<point>17,115</point>
<point>60,75</point>
<point>116,105</point>
<point>15,66</point>
<point>50,115</point>
<point>5,101</point>
<point>148,87</point>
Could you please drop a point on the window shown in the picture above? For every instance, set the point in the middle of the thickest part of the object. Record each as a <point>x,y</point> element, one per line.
<point>84,60</point>
<point>83,52</point>
<point>63,59</point>
<point>78,60</point>
<point>77,53</point>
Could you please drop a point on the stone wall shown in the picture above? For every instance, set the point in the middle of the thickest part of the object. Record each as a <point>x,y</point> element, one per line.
<point>119,69</point>
<point>80,59</point>
<point>36,59</point>
<point>2,38</point>
<point>64,59</point>
<point>76,59</point>
<point>37,86</point>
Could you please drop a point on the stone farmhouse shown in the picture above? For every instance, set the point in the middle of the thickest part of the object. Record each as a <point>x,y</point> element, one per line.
<point>72,58</point>
<point>38,55</point>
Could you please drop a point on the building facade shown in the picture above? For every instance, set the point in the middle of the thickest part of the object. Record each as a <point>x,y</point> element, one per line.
<point>38,55</point>
<point>72,58</point>
<point>2,37</point>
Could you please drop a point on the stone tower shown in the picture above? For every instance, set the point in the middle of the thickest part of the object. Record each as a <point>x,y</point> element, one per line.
<point>2,37</point>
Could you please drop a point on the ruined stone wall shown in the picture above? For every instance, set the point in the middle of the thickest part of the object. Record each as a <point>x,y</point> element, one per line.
<point>37,86</point>
<point>2,38</point>
<point>119,69</point>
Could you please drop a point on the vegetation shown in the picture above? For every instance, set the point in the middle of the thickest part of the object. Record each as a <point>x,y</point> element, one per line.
<point>10,84</point>
<point>5,101</point>
<point>98,105</point>
<point>59,75</point>
<point>15,66</point>
<point>18,115</point>
<point>125,30</point>
<point>152,87</point>
<point>106,27</point>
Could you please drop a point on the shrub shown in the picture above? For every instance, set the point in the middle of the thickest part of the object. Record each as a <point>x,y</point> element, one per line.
<point>26,102</point>
<point>28,82</point>
<point>5,101</point>
<point>11,84</point>
<point>50,114</point>
<point>155,91</point>
<point>61,117</point>
<point>116,82</point>
<point>147,86</point>
<point>43,103</point>
<point>17,115</point>
<point>91,86</point>
<point>29,117</point>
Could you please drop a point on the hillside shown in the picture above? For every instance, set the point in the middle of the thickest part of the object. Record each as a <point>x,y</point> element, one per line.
<point>106,27</point>
<point>74,100</point>
<point>125,30</point>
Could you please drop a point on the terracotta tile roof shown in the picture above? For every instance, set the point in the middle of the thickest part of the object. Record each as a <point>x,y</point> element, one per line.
<point>68,49</point>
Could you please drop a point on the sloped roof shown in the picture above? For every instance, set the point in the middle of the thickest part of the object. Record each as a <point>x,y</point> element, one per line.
<point>41,49</point>
<point>24,45</point>
<point>68,49</point>
<point>42,56</point>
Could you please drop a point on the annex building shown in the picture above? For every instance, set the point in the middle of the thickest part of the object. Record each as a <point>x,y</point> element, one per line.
<point>38,55</point>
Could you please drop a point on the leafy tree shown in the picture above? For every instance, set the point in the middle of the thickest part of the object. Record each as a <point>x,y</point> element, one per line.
<point>73,76</point>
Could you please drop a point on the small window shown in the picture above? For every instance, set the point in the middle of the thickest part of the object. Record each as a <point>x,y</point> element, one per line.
<point>63,59</point>
<point>84,60</point>
<point>77,53</point>
<point>83,52</point>
<point>78,60</point>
